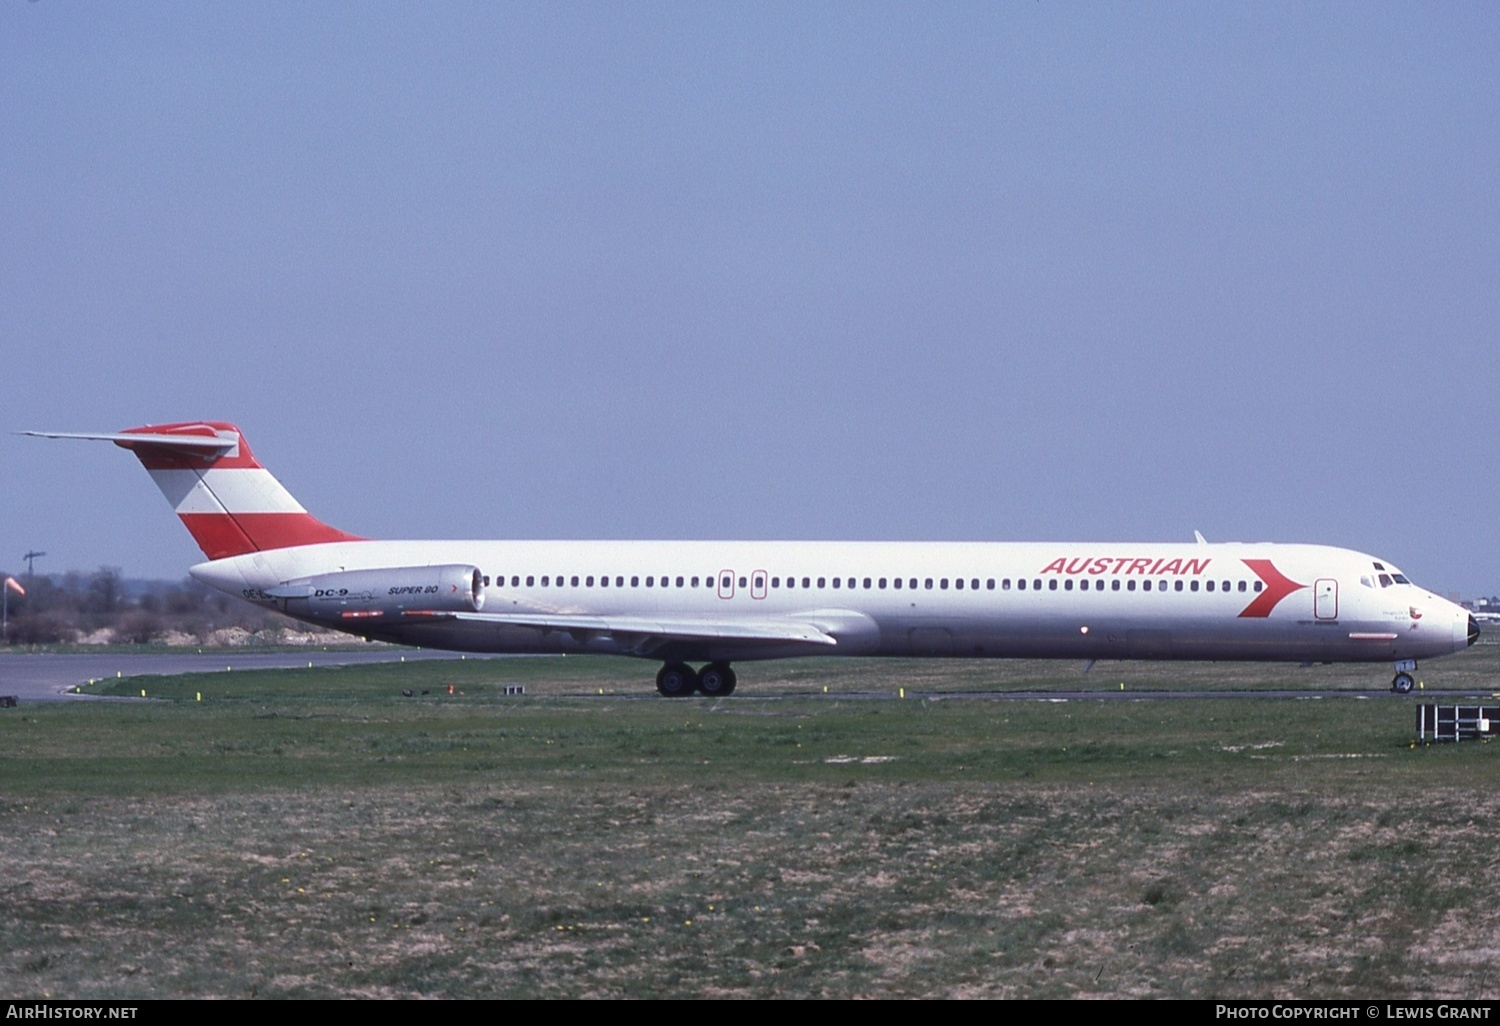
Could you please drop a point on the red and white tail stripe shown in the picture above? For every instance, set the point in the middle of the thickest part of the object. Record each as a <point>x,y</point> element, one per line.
<point>228,502</point>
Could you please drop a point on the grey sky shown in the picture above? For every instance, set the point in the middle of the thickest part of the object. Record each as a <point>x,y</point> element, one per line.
<point>994,271</point>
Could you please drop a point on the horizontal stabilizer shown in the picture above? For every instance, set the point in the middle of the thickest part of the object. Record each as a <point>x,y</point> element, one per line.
<point>206,446</point>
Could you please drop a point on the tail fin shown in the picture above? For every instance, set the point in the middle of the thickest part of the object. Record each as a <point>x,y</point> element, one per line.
<point>229,503</point>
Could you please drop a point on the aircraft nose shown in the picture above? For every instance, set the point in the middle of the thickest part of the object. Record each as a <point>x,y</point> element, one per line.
<point>1473,631</point>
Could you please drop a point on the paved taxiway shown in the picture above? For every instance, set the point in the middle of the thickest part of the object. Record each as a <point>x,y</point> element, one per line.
<point>48,677</point>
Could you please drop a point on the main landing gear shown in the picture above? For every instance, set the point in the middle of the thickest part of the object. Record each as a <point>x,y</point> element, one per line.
<point>1403,682</point>
<point>678,680</point>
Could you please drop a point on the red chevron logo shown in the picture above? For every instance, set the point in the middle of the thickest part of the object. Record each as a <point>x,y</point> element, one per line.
<point>1278,587</point>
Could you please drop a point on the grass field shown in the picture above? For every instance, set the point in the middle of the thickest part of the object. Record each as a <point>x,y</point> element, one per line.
<point>314,833</point>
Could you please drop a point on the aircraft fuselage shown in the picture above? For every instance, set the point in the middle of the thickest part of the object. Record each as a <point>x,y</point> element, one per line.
<point>1301,603</point>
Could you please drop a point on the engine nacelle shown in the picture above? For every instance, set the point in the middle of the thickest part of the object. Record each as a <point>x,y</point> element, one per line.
<point>380,594</point>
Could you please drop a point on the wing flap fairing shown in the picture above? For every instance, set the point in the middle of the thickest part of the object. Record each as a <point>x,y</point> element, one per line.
<point>661,627</point>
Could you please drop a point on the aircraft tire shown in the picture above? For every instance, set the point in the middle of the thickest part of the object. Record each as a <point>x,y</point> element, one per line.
<point>716,680</point>
<point>1402,683</point>
<point>676,680</point>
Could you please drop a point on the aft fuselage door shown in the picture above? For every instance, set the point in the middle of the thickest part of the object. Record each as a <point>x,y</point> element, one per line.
<point>1326,599</point>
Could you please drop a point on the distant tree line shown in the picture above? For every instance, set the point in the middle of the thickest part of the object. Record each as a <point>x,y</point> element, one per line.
<point>103,607</point>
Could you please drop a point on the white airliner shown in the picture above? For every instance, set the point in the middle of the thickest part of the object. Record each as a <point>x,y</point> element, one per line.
<point>682,602</point>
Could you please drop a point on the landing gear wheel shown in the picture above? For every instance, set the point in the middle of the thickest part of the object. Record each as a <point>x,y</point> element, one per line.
<point>1402,683</point>
<point>676,680</point>
<point>716,680</point>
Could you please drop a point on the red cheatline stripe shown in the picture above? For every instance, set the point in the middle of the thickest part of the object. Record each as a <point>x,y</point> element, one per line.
<point>1278,587</point>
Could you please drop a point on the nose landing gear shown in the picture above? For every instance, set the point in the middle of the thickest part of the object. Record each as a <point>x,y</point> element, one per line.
<point>1403,682</point>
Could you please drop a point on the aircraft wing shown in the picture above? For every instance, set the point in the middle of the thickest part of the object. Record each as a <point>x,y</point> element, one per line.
<point>660,627</point>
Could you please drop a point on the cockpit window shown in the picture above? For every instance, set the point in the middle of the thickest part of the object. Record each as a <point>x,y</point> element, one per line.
<point>1385,580</point>
<point>1367,581</point>
<point>1400,578</point>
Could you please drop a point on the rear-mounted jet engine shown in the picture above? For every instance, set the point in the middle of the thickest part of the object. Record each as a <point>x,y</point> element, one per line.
<point>382,594</point>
